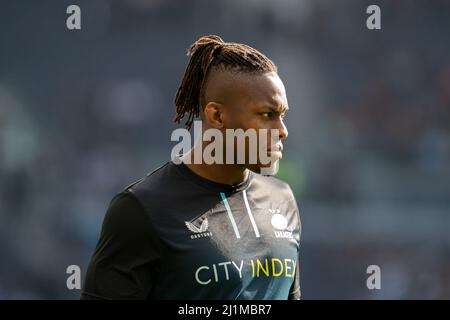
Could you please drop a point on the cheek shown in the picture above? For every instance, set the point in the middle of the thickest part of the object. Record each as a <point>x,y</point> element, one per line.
<point>230,120</point>
<point>239,121</point>
<point>252,121</point>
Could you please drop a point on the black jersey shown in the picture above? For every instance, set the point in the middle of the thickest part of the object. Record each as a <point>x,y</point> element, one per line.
<point>176,235</point>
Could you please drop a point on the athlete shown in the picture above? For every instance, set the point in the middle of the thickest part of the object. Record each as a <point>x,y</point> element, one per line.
<point>192,230</point>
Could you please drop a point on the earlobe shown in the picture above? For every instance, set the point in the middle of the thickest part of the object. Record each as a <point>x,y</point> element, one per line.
<point>213,115</point>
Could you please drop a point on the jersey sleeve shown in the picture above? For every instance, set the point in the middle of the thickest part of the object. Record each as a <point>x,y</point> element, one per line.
<point>125,260</point>
<point>295,292</point>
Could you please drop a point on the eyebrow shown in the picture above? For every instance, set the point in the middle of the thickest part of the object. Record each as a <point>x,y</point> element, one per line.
<point>279,109</point>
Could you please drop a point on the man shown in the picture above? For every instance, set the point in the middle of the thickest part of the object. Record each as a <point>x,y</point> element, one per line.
<point>192,230</point>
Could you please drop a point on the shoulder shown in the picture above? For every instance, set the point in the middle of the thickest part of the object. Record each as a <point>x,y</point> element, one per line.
<point>275,186</point>
<point>125,215</point>
<point>157,189</point>
<point>154,185</point>
<point>151,180</point>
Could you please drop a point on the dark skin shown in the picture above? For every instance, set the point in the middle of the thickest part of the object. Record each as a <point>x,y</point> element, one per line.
<point>241,100</point>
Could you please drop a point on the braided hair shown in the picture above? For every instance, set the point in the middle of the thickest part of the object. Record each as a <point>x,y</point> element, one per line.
<point>212,52</point>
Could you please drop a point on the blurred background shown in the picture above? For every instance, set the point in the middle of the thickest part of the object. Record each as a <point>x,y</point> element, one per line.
<point>84,113</point>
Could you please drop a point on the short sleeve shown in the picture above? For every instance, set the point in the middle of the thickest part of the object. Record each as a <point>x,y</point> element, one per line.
<point>125,261</point>
<point>295,292</point>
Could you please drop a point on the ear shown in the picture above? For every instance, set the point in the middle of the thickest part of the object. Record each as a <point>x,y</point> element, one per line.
<point>213,115</point>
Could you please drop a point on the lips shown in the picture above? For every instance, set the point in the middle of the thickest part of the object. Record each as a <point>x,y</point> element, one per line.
<point>276,148</point>
<point>276,151</point>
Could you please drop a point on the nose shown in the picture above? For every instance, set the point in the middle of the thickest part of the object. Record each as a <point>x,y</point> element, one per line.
<point>283,130</point>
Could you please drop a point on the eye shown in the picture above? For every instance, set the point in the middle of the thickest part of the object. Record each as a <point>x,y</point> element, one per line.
<point>267,114</point>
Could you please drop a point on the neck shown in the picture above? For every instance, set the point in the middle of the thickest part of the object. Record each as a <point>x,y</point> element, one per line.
<point>230,174</point>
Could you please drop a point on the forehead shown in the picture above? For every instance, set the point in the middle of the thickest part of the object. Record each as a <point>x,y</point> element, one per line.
<point>239,89</point>
<point>261,90</point>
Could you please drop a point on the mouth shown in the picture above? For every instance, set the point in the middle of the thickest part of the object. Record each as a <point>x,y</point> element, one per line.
<point>276,150</point>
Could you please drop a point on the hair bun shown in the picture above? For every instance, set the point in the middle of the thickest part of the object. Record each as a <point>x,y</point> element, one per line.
<point>204,42</point>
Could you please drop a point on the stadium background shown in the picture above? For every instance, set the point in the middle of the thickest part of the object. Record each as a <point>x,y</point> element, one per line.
<point>83,113</point>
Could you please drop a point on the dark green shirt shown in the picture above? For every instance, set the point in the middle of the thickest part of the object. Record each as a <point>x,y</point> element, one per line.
<point>176,235</point>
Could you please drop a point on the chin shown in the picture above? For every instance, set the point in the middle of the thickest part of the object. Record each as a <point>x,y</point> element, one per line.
<point>270,169</point>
